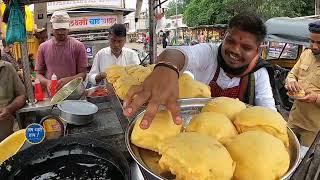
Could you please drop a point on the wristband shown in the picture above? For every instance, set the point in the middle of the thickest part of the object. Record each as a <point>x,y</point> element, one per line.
<point>168,65</point>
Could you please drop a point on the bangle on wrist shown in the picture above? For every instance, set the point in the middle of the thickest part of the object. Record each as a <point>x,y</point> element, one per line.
<point>168,65</point>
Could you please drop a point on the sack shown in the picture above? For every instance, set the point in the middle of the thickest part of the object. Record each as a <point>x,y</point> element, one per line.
<point>16,30</point>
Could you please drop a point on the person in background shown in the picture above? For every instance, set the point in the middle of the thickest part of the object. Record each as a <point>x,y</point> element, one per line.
<point>7,55</point>
<point>12,97</point>
<point>305,76</point>
<point>41,35</point>
<point>187,38</point>
<point>115,54</point>
<point>165,39</point>
<point>61,55</point>
<point>202,38</point>
<point>31,62</point>
<point>160,35</point>
<point>147,43</point>
<point>232,69</point>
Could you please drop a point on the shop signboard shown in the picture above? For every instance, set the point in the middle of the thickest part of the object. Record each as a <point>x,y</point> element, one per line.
<point>89,50</point>
<point>92,22</point>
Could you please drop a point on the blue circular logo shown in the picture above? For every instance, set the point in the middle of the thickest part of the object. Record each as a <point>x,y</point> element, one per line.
<point>35,133</point>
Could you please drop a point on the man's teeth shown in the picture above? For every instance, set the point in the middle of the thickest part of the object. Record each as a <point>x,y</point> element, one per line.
<point>234,57</point>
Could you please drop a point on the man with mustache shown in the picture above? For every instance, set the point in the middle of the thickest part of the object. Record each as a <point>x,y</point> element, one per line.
<point>231,70</point>
<point>305,75</point>
<point>116,54</point>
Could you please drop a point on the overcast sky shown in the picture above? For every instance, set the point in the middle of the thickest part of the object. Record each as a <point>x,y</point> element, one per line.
<point>132,4</point>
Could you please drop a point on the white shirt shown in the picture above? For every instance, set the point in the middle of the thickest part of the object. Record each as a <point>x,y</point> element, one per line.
<point>104,59</point>
<point>201,61</point>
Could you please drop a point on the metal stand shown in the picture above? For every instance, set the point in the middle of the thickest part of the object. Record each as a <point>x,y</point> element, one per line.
<point>152,33</point>
<point>26,72</point>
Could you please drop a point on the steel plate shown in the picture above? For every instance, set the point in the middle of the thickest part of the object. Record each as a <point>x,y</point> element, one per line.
<point>148,160</point>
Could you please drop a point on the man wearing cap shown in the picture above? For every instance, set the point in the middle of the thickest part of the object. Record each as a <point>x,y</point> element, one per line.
<point>61,55</point>
<point>305,75</point>
<point>41,35</point>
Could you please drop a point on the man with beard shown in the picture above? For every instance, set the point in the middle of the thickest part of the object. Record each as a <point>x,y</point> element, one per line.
<point>231,70</point>
<point>61,55</point>
<point>305,76</point>
<point>116,54</point>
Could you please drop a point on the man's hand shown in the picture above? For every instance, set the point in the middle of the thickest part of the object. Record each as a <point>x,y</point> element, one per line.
<point>63,81</point>
<point>101,76</point>
<point>311,97</point>
<point>48,84</point>
<point>5,114</point>
<point>293,86</point>
<point>160,88</point>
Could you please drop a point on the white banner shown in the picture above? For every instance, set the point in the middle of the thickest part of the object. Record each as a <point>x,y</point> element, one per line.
<point>53,6</point>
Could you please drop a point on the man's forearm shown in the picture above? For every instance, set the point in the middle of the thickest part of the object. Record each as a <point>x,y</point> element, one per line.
<point>173,56</point>
<point>17,103</point>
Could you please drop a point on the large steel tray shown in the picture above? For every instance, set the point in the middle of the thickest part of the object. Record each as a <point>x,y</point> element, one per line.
<point>148,160</point>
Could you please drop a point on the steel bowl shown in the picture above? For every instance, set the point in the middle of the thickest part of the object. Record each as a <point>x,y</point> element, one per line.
<point>77,112</point>
<point>73,90</point>
<point>97,99</point>
<point>148,160</point>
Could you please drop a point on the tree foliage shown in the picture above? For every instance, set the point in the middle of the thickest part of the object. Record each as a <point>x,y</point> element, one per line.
<point>176,6</point>
<point>204,12</point>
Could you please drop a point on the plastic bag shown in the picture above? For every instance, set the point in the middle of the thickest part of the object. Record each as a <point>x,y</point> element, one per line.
<point>16,30</point>
<point>29,19</point>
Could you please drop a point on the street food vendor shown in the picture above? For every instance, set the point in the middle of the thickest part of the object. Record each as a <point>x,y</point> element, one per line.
<point>12,97</point>
<point>61,55</point>
<point>230,69</point>
<point>304,80</point>
<point>115,54</point>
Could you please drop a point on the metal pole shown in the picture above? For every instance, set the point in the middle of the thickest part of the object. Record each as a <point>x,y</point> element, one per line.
<point>176,30</point>
<point>317,7</point>
<point>152,33</point>
<point>26,72</point>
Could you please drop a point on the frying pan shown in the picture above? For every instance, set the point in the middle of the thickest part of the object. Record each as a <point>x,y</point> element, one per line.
<point>67,158</point>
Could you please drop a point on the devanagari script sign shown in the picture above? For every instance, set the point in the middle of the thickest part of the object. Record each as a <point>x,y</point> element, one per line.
<point>92,21</point>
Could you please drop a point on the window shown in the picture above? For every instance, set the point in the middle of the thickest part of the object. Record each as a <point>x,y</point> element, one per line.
<point>275,48</point>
